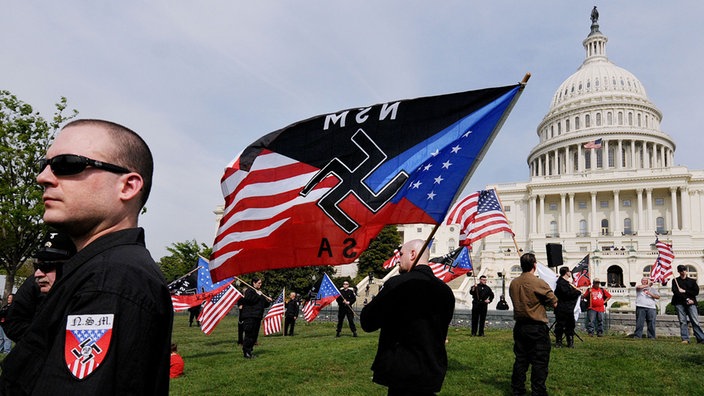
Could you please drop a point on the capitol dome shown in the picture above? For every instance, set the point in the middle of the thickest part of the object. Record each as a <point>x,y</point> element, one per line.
<point>601,104</point>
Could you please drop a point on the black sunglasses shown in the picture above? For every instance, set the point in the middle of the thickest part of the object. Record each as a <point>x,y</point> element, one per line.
<point>72,164</point>
<point>46,266</point>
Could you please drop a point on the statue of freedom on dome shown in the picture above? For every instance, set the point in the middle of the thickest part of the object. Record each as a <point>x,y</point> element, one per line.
<point>595,15</point>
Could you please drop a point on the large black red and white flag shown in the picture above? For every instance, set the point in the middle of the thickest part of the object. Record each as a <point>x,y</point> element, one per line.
<point>318,191</point>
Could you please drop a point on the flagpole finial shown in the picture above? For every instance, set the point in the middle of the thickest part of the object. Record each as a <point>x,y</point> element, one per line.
<point>525,79</point>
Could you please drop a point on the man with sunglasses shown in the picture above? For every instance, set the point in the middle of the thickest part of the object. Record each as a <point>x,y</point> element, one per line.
<point>105,326</point>
<point>54,250</point>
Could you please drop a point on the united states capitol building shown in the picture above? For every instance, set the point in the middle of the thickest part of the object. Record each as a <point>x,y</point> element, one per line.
<point>609,203</point>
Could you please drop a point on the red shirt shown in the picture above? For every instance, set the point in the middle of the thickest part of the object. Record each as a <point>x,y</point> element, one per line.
<point>598,298</point>
<point>177,364</point>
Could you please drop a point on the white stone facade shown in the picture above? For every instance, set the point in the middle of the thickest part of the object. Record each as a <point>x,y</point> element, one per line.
<point>608,203</point>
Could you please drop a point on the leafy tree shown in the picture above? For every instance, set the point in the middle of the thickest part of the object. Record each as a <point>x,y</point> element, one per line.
<point>24,137</point>
<point>183,258</point>
<point>379,250</point>
<point>299,280</point>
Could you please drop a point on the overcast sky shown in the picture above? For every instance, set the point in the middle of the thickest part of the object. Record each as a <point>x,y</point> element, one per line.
<point>202,80</point>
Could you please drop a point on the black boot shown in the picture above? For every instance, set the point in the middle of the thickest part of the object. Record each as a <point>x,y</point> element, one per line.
<point>570,341</point>
<point>558,342</point>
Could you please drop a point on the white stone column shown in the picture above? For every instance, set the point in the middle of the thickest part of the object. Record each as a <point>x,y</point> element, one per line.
<point>605,155</point>
<point>563,214</point>
<point>573,226</point>
<point>633,155</point>
<point>533,216</point>
<point>686,206</point>
<point>675,215</point>
<point>556,166</point>
<point>641,224</point>
<point>580,158</point>
<point>617,227</point>
<point>541,216</point>
<point>595,225</point>
<point>649,205</point>
<point>619,155</point>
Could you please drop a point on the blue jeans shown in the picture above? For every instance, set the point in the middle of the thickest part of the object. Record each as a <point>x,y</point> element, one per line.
<point>643,315</point>
<point>5,342</point>
<point>598,317</point>
<point>689,311</point>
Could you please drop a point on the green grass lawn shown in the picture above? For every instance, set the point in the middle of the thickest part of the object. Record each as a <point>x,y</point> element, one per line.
<point>314,362</point>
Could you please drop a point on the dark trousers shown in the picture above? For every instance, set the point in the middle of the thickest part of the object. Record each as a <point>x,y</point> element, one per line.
<point>478,317</point>
<point>346,312</point>
<point>251,333</point>
<point>564,325</point>
<point>289,323</point>
<point>240,331</point>
<point>532,348</point>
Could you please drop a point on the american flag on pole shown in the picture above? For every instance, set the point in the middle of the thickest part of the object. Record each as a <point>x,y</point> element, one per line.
<point>217,307</point>
<point>327,293</point>
<point>393,260</point>
<point>479,215</point>
<point>594,144</point>
<point>662,270</point>
<point>318,191</point>
<point>451,266</point>
<point>272,319</point>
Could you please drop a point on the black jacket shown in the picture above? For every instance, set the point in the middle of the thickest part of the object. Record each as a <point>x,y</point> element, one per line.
<point>348,295</point>
<point>292,308</point>
<point>413,311</point>
<point>253,305</point>
<point>567,296</point>
<point>24,306</point>
<point>691,290</point>
<point>113,282</point>
<point>484,294</point>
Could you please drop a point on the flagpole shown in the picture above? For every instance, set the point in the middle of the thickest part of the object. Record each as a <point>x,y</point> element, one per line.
<point>252,287</point>
<point>492,136</point>
<point>187,273</point>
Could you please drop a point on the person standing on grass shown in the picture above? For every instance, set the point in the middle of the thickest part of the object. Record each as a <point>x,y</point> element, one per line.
<point>105,326</point>
<point>646,295</point>
<point>413,311</point>
<point>598,297</point>
<point>684,299</point>
<point>291,314</point>
<point>567,295</point>
<point>253,305</point>
<point>345,301</point>
<point>481,298</point>
<point>531,335</point>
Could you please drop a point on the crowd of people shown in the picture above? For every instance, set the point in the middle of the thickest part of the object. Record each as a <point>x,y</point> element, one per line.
<point>96,288</point>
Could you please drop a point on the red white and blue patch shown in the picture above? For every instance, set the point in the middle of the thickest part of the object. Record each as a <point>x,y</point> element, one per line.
<point>87,342</point>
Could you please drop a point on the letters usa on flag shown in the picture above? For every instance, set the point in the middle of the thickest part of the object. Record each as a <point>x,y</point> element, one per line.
<point>217,307</point>
<point>479,215</point>
<point>326,295</point>
<point>316,192</point>
<point>452,266</point>
<point>272,319</point>
<point>662,270</point>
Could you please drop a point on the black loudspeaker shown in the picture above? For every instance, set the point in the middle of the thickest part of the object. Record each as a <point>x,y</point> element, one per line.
<point>554,251</point>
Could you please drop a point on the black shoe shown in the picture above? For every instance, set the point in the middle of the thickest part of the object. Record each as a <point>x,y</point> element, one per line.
<point>248,355</point>
<point>338,334</point>
<point>354,334</point>
<point>558,345</point>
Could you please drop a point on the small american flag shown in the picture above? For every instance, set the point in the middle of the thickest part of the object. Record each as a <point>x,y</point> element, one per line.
<point>217,307</point>
<point>272,320</point>
<point>479,215</point>
<point>662,270</point>
<point>594,144</point>
<point>393,260</point>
